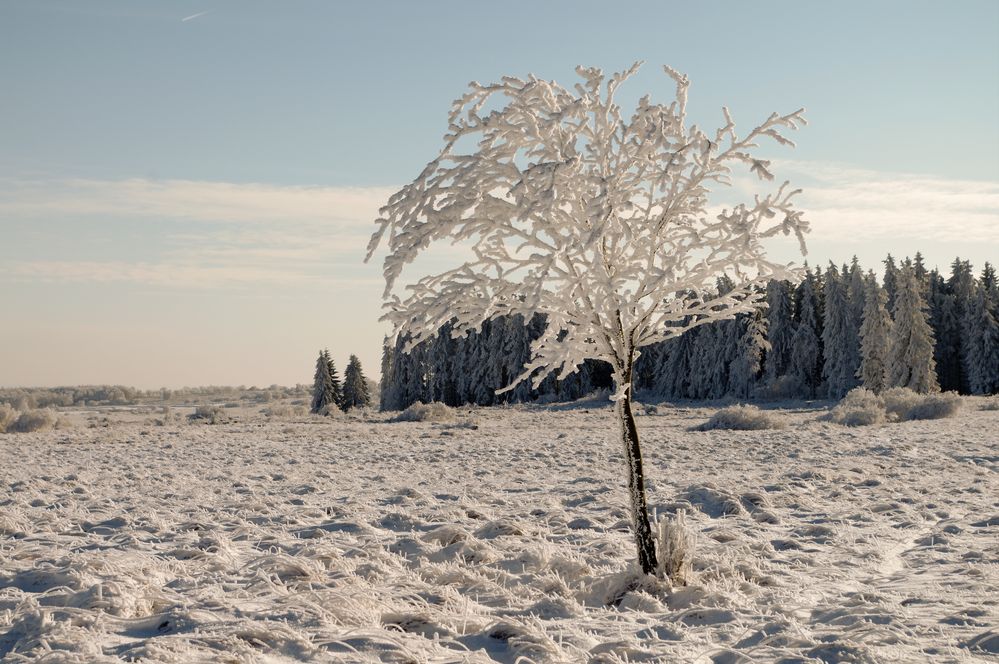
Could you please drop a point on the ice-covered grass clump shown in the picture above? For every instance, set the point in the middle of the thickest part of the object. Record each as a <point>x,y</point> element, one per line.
<point>41,419</point>
<point>860,407</point>
<point>742,418</point>
<point>210,414</point>
<point>426,412</point>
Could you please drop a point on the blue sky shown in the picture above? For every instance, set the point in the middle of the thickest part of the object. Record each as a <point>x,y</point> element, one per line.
<point>187,201</point>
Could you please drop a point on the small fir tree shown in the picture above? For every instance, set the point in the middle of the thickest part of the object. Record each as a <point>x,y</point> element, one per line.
<point>355,386</point>
<point>323,390</point>
<point>981,347</point>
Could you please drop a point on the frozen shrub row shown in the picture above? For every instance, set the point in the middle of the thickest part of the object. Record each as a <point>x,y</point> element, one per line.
<point>742,418</point>
<point>861,407</point>
<point>12,421</point>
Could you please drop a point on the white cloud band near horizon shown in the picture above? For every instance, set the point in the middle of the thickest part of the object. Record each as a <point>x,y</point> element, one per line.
<point>247,233</point>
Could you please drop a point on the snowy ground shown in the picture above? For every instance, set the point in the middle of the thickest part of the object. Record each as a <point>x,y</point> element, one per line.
<point>365,541</point>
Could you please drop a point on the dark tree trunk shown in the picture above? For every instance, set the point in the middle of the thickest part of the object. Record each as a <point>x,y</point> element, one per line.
<point>644,539</point>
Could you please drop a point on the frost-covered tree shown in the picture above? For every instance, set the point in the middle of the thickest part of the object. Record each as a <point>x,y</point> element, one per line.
<point>890,280</point>
<point>324,390</point>
<point>780,329</point>
<point>838,340</point>
<point>387,392</point>
<point>947,332</point>
<point>595,219</point>
<point>874,336</point>
<point>747,366</point>
<point>355,386</point>
<point>335,379</point>
<point>981,346</point>
<point>910,359</point>
<point>806,353</point>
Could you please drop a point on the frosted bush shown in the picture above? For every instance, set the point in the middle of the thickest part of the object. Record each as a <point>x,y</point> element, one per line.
<point>676,549</point>
<point>33,420</point>
<point>426,412</point>
<point>899,401</point>
<point>7,416</point>
<point>991,404</point>
<point>283,411</point>
<point>860,407</point>
<point>935,407</point>
<point>902,405</point>
<point>211,414</point>
<point>742,418</point>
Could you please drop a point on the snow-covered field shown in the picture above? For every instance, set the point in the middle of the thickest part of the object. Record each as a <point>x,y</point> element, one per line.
<point>365,540</point>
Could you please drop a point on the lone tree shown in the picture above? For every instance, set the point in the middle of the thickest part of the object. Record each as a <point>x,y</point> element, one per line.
<point>597,221</point>
<point>355,386</point>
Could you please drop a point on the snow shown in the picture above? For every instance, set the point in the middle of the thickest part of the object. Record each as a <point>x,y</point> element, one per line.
<point>501,535</point>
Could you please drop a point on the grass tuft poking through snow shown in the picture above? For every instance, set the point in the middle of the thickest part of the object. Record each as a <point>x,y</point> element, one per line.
<point>426,412</point>
<point>676,549</point>
<point>742,418</point>
<point>861,407</point>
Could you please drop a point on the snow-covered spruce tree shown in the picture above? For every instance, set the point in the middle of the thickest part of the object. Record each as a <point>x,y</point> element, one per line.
<point>890,280</point>
<point>355,386</point>
<point>780,329</point>
<point>323,390</point>
<point>874,334</point>
<point>335,380</point>
<point>752,347</point>
<point>806,352</point>
<point>910,358</point>
<point>838,339</point>
<point>981,345</point>
<point>595,219</point>
<point>386,387</point>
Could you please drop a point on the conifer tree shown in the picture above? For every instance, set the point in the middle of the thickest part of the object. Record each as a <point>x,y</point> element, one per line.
<point>806,354</point>
<point>891,281</point>
<point>962,286</point>
<point>981,346</point>
<point>780,329</point>
<point>874,335</point>
<point>386,388</point>
<point>747,367</point>
<point>355,386</point>
<point>323,391</point>
<point>947,332</point>
<point>335,379</point>
<point>839,369</point>
<point>910,362</point>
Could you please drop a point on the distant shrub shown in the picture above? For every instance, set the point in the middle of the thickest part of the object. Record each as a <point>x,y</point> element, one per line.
<point>742,418</point>
<point>210,414</point>
<point>7,416</point>
<point>860,407</point>
<point>426,412</point>
<point>991,404</point>
<point>935,407</point>
<point>33,420</point>
<point>283,411</point>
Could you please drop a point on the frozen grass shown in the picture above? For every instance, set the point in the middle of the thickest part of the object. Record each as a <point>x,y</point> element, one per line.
<point>288,541</point>
<point>991,403</point>
<point>743,418</point>
<point>426,412</point>
<point>8,415</point>
<point>860,407</point>
<point>676,549</point>
<point>41,419</point>
<point>902,405</point>
<point>210,414</point>
<point>284,411</point>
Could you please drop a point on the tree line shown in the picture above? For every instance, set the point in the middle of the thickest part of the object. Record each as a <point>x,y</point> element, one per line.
<point>837,329</point>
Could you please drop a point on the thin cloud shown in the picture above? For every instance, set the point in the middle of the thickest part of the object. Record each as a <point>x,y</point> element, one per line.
<point>194,16</point>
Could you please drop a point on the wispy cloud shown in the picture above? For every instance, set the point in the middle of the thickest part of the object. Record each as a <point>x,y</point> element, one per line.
<point>194,16</point>
<point>846,203</point>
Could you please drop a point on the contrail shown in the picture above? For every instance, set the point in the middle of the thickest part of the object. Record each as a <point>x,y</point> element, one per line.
<point>193,16</point>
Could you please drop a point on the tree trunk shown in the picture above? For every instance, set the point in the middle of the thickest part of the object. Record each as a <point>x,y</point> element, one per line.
<point>644,539</point>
